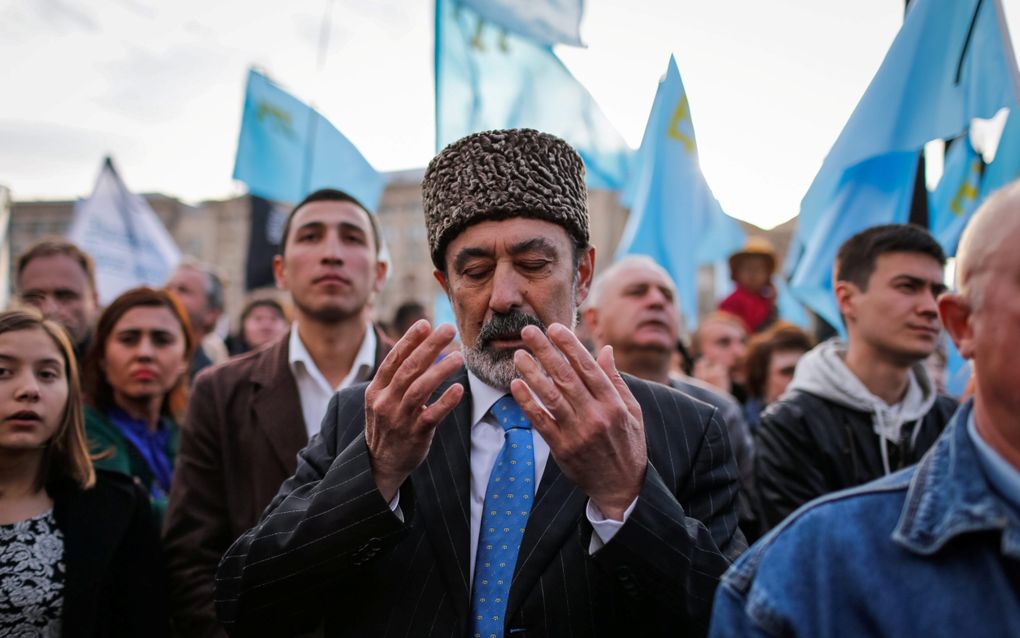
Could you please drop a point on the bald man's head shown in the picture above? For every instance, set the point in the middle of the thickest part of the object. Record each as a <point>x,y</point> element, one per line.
<point>993,228</point>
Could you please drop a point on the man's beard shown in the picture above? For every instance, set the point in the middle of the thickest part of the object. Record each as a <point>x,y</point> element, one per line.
<point>496,367</point>
<point>329,314</point>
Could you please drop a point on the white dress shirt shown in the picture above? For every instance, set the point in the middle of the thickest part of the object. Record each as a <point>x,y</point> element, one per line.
<point>313,389</point>
<point>487,438</point>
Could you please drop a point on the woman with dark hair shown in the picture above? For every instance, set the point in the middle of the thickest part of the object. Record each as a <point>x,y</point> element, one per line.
<point>136,387</point>
<point>78,551</point>
<point>771,358</point>
<point>263,320</point>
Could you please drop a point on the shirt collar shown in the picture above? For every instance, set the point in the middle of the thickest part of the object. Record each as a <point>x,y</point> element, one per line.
<point>949,496</point>
<point>1003,476</point>
<point>297,353</point>
<point>483,397</point>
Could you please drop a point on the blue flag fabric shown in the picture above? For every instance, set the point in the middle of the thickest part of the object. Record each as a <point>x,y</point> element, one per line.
<point>488,77</point>
<point>1005,168</point>
<point>874,185</point>
<point>674,218</point>
<point>957,195</point>
<point>788,307</point>
<point>547,22</point>
<point>951,62</point>
<point>958,370</point>
<point>287,149</point>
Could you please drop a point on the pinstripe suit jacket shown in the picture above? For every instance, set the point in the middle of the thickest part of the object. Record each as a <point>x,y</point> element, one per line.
<point>328,551</point>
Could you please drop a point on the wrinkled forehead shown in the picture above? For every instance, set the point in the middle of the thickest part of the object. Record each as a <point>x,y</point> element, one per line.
<point>507,237</point>
<point>53,271</point>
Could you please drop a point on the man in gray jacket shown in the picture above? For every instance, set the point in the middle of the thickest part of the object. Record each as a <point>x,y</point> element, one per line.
<point>859,410</point>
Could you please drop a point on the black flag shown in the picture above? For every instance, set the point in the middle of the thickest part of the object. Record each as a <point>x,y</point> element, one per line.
<point>267,219</point>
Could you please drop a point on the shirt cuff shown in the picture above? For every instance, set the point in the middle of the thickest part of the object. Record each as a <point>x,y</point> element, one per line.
<point>604,529</point>
<point>395,507</point>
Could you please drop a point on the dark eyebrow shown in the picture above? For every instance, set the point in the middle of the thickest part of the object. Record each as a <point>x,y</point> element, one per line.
<point>537,244</point>
<point>938,286</point>
<point>352,226</point>
<point>470,252</point>
<point>312,225</point>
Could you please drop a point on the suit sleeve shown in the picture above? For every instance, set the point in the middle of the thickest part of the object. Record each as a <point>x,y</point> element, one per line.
<point>326,521</point>
<point>197,530</point>
<point>786,470</point>
<point>675,546</point>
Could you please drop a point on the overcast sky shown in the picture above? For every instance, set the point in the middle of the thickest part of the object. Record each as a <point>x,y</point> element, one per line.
<point>160,85</point>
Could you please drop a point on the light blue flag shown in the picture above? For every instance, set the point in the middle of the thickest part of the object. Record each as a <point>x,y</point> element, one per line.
<point>674,218</point>
<point>788,307</point>
<point>958,370</point>
<point>957,195</point>
<point>547,22</point>
<point>287,150</point>
<point>488,77</point>
<point>1005,168</point>
<point>951,62</point>
<point>872,186</point>
<point>442,311</point>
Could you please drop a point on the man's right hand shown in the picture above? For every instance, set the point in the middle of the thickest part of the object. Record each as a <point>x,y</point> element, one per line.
<point>398,424</point>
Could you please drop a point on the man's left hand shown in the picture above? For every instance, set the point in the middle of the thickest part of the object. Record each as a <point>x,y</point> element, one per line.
<point>591,421</point>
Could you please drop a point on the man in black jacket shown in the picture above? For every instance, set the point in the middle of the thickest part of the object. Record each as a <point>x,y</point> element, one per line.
<point>860,410</point>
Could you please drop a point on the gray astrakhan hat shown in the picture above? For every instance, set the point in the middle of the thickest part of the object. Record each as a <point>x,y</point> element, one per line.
<point>496,175</point>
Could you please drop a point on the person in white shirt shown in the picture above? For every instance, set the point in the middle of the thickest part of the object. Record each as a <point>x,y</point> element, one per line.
<point>248,418</point>
<point>517,487</point>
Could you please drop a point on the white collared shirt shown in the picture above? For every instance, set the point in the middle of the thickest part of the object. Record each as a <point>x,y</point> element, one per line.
<point>313,389</point>
<point>487,437</point>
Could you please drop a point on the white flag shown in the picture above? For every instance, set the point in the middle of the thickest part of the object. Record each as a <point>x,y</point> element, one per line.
<point>122,233</point>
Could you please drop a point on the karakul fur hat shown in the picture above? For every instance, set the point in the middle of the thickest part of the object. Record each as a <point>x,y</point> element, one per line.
<point>496,175</point>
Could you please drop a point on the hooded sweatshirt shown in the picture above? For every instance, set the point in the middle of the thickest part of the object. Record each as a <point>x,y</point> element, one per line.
<point>823,372</point>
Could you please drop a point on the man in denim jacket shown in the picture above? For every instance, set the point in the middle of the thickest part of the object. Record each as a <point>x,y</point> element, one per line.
<point>933,550</point>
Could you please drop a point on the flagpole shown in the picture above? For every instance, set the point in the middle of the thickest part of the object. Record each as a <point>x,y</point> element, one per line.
<point>124,206</point>
<point>313,124</point>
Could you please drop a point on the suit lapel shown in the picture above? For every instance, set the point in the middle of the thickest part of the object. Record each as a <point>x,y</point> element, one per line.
<point>276,405</point>
<point>559,503</point>
<point>442,490</point>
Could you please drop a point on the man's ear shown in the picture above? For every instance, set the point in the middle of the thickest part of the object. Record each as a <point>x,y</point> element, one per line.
<point>278,273</point>
<point>381,268</point>
<point>846,293</point>
<point>443,281</point>
<point>585,271</point>
<point>955,312</point>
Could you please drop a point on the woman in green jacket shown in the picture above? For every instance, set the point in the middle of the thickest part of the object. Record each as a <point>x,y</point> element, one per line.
<point>135,378</point>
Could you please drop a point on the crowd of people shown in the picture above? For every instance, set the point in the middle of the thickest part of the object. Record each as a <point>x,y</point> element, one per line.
<point>567,462</point>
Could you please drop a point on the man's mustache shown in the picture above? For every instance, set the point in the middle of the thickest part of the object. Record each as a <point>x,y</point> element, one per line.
<point>508,325</point>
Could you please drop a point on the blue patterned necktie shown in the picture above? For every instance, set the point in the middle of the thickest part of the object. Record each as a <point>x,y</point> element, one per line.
<point>507,504</point>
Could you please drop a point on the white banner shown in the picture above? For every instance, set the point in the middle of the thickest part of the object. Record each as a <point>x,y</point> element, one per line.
<point>122,233</point>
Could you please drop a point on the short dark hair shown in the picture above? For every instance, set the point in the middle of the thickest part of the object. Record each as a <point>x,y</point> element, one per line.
<point>331,195</point>
<point>856,259</point>
<point>407,313</point>
<point>49,246</point>
<point>779,337</point>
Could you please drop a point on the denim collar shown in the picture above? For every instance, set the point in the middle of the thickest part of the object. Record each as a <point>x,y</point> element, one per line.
<point>949,496</point>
